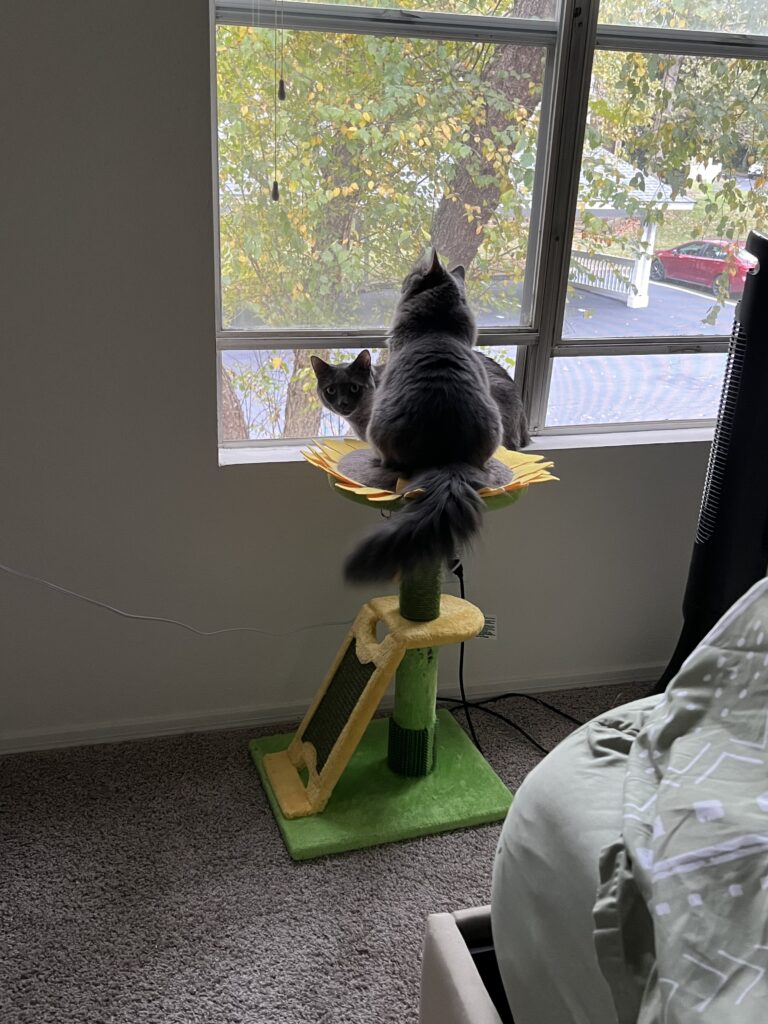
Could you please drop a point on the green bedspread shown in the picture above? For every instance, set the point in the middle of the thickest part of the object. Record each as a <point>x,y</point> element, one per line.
<point>682,912</point>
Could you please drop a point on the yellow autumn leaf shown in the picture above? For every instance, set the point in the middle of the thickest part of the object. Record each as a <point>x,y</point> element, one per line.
<point>420,100</point>
<point>276,362</point>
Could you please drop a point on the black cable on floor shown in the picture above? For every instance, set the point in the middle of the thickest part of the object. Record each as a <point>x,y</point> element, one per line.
<point>496,714</point>
<point>537,700</point>
<point>480,705</point>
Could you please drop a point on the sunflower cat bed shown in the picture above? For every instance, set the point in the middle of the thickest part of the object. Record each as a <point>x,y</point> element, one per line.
<point>342,780</point>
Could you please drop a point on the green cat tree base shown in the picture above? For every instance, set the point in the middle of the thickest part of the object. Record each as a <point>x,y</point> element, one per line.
<point>371,805</point>
<point>411,775</point>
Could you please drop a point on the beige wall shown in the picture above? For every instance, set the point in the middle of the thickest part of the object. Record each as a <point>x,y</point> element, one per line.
<point>110,482</point>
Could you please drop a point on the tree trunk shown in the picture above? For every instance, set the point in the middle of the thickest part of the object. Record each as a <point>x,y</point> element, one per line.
<point>509,73</point>
<point>302,416</point>
<point>233,425</point>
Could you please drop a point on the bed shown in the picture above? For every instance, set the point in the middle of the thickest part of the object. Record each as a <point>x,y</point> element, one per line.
<point>631,876</point>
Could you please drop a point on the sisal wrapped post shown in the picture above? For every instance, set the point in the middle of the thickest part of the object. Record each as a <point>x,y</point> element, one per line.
<point>413,724</point>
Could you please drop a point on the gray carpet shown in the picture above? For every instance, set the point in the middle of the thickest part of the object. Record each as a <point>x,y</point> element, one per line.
<point>146,883</point>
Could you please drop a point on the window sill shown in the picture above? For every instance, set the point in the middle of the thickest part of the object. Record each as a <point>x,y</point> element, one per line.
<point>240,456</point>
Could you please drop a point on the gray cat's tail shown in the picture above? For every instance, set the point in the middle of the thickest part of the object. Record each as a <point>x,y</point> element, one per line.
<point>431,527</point>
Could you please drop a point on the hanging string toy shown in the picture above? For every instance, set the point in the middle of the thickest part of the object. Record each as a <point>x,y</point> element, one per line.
<point>279,84</point>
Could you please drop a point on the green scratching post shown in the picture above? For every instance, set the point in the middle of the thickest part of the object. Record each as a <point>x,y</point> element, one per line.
<point>420,594</point>
<point>412,726</point>
<point>344,780</point>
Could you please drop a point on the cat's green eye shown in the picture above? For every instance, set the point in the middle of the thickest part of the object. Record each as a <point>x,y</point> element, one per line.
<point>330,391</point>
<point>354,388</point>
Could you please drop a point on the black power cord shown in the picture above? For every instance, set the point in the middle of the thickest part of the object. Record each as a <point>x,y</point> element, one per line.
<point>466,705</point>
<point>463,704</point>
<point>536,700</point>
<point>458,571</point>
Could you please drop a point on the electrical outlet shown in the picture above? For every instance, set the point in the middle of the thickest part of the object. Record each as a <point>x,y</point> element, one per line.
<point>490,628</point>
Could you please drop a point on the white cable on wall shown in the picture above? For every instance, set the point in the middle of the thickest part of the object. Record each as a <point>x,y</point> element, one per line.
<point>159,618</point>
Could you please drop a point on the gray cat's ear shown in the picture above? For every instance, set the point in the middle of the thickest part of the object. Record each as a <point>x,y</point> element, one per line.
<point>320,366</point>
<point>459,272</point>
<point>362,362</point>
<point>435,269</point>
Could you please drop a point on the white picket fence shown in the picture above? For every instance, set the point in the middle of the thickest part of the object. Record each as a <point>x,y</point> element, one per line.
<point>602,274</point>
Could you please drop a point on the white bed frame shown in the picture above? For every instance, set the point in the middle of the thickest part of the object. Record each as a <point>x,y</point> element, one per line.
<point>452,988</point>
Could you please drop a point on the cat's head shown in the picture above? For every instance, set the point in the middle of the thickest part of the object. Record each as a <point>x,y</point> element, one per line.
<point>343,388</point>
<point>433,297</point>
<point>429,274</point>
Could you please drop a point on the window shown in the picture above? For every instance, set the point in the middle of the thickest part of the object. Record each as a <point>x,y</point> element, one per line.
<point>596,175</point>
<point>384,146</point>
<point>738,16</point>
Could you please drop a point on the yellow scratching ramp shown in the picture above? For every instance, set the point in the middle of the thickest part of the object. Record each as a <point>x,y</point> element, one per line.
<point>303,776</point>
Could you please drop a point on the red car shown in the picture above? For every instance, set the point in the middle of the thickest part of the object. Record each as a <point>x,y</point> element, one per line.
<point>703,262</point>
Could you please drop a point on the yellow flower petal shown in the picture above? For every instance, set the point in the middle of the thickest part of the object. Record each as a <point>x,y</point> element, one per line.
<point>326,454</point>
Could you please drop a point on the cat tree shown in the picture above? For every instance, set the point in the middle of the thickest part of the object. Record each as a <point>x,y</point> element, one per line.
<point>345,780</point>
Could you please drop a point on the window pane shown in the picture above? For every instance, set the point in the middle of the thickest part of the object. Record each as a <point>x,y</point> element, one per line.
<point>268,394</point>
<point>272,393</point>
<point>738,16</point>
<point>541,9</point>
<point>505,355</point>
<point>385,146</point>
<point>636,388</point>
<point>672,180</point>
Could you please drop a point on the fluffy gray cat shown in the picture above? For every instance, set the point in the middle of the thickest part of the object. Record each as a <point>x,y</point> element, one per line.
<point>434,422</point>
<point>347,389</point>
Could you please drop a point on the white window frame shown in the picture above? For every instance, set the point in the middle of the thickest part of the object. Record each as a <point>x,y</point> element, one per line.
<point>570,43</point>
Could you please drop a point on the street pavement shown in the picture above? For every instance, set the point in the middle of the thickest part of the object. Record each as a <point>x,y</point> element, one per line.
<point>672,310</point>
<point>639,388</point>
<point>636,388</point>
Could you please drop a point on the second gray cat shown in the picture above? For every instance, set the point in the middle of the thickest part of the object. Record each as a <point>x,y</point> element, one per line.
<point>348,390</point>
